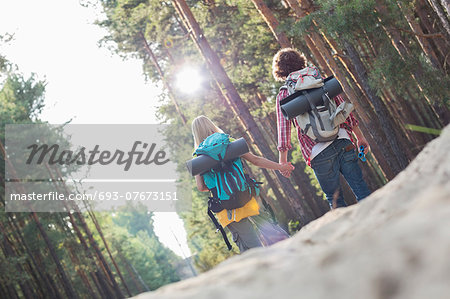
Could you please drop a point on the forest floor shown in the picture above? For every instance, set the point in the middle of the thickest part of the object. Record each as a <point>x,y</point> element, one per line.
<point>394,244</point>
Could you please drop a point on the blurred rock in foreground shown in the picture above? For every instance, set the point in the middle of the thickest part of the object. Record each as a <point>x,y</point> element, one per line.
<point>394,244</point>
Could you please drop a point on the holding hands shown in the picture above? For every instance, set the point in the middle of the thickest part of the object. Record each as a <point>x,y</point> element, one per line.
<point>363,141</point>
<point>286,169</point>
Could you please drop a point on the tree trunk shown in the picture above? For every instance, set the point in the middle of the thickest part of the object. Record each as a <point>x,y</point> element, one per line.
<point>81,273</point>
<point>163,78</point>
<point>380,109</point>
<point>21,250</point>
<point>130,273</point>
<point>440,45</point>
<point>295,6</point>
<point>10,252</point>
<point>99,230</point>
<point>442,114</point>
<point>50,291</point>
<point>134,270</point>
<point>99,275</point>
<point>272,22</point>
<point>443,17</point>
<point>419,35</point>
<point>104,293</point>
<point>67,285</point>
<point>104,265</point>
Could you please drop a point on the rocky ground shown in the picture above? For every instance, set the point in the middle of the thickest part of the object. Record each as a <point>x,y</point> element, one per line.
<point>394,244</point>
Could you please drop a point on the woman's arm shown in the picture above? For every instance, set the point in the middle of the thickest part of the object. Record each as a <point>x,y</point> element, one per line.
<point>201,186</point>
<point>265,163</point>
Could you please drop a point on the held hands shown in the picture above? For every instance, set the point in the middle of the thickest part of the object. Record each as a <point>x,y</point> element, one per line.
<point>286,169</point>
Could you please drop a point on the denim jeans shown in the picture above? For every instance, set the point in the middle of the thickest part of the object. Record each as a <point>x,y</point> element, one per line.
<point>330,163</point>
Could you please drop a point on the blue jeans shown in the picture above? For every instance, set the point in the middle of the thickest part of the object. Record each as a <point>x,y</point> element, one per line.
<point>328,165</point>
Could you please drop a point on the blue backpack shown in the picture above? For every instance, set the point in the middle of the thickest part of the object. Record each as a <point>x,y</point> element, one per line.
<point>231,188</point>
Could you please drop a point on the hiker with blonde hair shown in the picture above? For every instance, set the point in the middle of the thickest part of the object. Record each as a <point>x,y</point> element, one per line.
<point>250,225</point>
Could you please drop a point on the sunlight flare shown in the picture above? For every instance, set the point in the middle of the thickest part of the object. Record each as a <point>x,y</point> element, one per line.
<point>189,79</point>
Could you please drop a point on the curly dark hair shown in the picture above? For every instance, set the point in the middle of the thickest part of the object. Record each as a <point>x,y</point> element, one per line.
<point>286,61</point>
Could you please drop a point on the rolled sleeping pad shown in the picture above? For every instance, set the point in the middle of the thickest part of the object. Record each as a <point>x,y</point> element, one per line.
<point>297,103</point>
<point>204,163</point>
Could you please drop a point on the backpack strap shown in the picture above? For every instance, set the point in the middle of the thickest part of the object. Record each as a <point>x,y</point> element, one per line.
<point>326,99</point>
<point>228,177</point>
<point>219,228</point>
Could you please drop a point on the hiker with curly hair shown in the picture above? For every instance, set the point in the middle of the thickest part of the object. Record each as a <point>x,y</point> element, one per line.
<point>327,159</point>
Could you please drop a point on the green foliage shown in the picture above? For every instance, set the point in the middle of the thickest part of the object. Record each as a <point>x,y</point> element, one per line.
<point>21,100</point>
<point>5,65</point>
<point>136,248</point>
<point>245,46</point>
<point>132,237</point>
<point>361,23</point>
<point>294,226</point>
<point>9,265</point>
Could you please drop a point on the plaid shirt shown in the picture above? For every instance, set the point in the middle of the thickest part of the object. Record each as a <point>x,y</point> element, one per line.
<point>306,143</point>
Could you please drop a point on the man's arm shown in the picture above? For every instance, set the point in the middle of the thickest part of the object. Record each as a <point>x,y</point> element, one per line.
<point>282,158</point>
<point>284,132</point>
<point>352,123</point>
<point>361,140</point>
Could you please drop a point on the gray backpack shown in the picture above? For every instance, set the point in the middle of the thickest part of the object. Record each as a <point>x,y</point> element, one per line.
<point>321,122</point>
